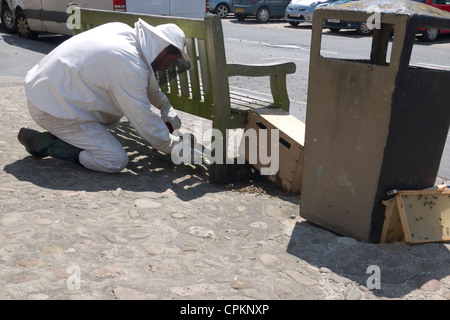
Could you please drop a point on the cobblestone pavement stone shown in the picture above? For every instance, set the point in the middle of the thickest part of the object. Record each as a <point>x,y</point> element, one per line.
<point>159,231</point>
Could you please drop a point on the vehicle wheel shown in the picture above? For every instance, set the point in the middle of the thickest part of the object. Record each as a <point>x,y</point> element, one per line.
<point>22,27</point>
<point>240,17</point>
<point>222,10</point>
<point>8,19</point>
<point>430,35</point>
<point>294,24</point>
<point>263,15</point>
<point>364,29</point>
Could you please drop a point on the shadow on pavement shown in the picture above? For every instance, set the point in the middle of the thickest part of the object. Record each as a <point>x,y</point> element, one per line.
<point>44,44</point>
<point>147,170</point>
<point>252,20</point>
<point>403,268</point>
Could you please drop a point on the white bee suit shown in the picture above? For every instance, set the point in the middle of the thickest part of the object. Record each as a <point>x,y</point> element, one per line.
<point>89,82</point>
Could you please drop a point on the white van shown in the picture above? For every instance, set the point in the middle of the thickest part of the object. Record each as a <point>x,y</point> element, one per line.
<point>34,16</point>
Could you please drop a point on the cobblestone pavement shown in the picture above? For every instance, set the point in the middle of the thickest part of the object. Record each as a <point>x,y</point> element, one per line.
<point>158,231</point>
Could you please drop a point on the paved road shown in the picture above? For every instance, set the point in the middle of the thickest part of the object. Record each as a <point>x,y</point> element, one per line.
<point>159,231</point>
<point>250,42</point>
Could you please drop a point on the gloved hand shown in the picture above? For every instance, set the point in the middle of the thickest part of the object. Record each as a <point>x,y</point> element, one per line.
<point>169,115</point>
<point>184,150</point>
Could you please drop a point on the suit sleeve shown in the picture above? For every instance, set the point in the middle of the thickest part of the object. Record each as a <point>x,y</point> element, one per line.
<point>157,98</point>
<point>129,92</point>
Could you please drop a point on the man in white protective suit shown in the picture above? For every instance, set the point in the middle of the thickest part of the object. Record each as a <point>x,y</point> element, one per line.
<point>88,83</point>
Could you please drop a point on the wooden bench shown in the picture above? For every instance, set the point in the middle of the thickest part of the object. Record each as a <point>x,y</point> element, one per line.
<point>204,91</point>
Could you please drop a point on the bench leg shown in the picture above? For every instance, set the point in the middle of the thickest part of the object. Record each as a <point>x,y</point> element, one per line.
<point>218,169</point>
<point>279,91</point>
<point>224,171</point>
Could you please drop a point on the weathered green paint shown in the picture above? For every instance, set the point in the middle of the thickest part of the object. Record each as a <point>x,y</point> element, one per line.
<point>254,70</point>
<point>206,92</point>
<point>193,28</point>
<point>371,126</point>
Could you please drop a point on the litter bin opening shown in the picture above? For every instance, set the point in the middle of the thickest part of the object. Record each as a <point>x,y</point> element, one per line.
<point>339,36</point>
<point>394,27</point>
<point>335,44</point>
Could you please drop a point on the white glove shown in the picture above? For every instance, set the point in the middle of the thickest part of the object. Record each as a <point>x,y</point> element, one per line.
<point>168,114</point>
<point>183,150</point>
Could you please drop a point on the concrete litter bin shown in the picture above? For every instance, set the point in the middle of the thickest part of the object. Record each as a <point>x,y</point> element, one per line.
<point>372,125</point>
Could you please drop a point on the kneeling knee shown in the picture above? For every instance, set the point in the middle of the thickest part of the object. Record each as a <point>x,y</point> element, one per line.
<point>118,164</point>
<point>112,163</point>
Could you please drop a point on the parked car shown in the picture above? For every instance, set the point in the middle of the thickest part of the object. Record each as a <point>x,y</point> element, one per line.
<point>263,10</point>
<point>220,7</point>
<point>33,16</point>
<point>335,25</point>
<point>302,10</point>
<point>430,35</point>
<point>7,17</point>
<point>363,29</point>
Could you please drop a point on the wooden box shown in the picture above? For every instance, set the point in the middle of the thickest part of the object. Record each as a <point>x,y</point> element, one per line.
<point>290,145</point>
<point>418,216</point>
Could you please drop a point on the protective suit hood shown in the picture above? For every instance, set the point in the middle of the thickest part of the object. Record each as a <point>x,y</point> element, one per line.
<point>153,40</point>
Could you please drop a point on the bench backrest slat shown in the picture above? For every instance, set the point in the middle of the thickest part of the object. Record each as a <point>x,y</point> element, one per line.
<point>206,85</point>
<point>184,85</point>
<point>193,73</point>
<point>173,82</point>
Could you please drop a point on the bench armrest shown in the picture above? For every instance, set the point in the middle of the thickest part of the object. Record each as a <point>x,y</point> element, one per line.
<point>277,73</point>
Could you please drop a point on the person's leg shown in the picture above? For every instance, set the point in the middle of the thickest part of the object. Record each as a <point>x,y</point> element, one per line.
<point>43,144</point>
<point>98,149</point>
